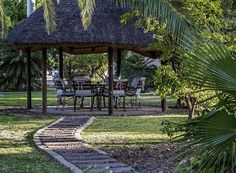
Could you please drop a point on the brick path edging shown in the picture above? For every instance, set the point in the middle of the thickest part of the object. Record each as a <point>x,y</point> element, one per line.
<point>53,154</point>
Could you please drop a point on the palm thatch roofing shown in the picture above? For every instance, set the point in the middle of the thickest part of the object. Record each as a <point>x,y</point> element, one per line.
<point>105,30</point>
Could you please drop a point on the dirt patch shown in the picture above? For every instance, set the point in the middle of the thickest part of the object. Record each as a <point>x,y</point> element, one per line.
<point>23,111</point>
<point>158,158</point>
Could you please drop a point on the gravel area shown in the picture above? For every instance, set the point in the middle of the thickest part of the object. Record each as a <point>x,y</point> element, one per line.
<point>22,111</point>
<point>158,158</point>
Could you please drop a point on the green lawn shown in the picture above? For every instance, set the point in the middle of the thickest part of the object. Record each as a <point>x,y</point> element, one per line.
<point>119,131</point>
<point>153,99</point>
<point>18,153</point>
<point>18,99</point>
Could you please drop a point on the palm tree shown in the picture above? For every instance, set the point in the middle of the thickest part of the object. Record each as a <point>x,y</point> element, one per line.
<point>177,24</point>
<point>135,65</point>
<point>161,9</point>
<point>13,68</point>
<point>211,139</point>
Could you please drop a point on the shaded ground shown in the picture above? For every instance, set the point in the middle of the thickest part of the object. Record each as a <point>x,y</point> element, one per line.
<point>136,141</point>
<point>18,153</point>
<point>158,158</point>
<point>18,99</point>
<point>68,111</point>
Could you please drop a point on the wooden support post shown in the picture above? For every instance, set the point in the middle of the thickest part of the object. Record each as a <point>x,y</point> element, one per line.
<point>60,60</point>
<point>28,83</point>
<point>110,71</point>
<point>118,68</point>
<point>44,81</point>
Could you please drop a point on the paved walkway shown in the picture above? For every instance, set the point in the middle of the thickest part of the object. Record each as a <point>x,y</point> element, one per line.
<point>63,142</point>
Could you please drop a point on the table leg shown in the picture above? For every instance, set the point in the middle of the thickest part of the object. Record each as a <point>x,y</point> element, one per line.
<point>75,102</point>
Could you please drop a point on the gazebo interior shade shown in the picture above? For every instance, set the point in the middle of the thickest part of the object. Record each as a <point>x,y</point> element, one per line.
<point>105,31</point>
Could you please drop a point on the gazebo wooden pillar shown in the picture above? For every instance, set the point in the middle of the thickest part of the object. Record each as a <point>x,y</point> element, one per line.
<point>60,62</point>
<point>110,72</point>
<point>44,81</point>
<point>119,56</point>
<point>28,83</point>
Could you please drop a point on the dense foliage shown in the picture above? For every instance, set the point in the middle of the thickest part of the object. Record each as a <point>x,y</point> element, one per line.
<point>134,65</point>
<point>166,82</point>
<point>94,66</point>
<point>13,69</point>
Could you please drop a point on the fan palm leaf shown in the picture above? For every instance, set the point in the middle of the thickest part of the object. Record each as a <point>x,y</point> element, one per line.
<point>211,140</point>
<point>211,66</point>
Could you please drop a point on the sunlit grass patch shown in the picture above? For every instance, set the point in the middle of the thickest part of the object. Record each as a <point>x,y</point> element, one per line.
<point>128,130</point>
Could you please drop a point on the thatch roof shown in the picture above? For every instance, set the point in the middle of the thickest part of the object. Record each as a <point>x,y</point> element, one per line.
<point>105,30</point>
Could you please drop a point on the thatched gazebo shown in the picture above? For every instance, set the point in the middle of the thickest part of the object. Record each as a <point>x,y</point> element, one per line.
<point>105,34</point>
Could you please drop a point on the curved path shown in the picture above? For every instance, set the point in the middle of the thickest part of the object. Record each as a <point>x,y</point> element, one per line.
<point>62,141</point>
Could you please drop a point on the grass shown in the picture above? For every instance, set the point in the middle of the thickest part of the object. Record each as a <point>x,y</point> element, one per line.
<point>18,99</point>
<point>153,99</point>
<point>120,131</point>
<point>18,153</point>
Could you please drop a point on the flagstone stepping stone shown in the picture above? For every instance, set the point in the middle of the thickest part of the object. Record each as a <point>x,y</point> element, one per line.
<point>63,142</point>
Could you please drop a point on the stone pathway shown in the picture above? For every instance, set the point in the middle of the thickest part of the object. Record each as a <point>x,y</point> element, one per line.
<point>63,142</point>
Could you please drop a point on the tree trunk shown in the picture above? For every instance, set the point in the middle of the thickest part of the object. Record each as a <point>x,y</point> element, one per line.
<point>31,5</point>
<point>191,102</point>
<point>164,104</point>
<point>178,103</point>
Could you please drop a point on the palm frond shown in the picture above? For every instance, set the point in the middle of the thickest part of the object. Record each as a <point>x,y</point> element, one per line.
<point>213,138</point>
<point>87,9</point>
<point>49,16</point>
<point>4,26</point>
<point>177,24</point>
<point>81,4</point>
<point>211,66</point>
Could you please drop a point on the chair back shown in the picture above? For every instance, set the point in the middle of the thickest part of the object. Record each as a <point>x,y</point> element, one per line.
<point>119,86</point>
<point>139,84</point>
<point>60,85</point>
<point>82,86</point>
<point>81,78</point>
